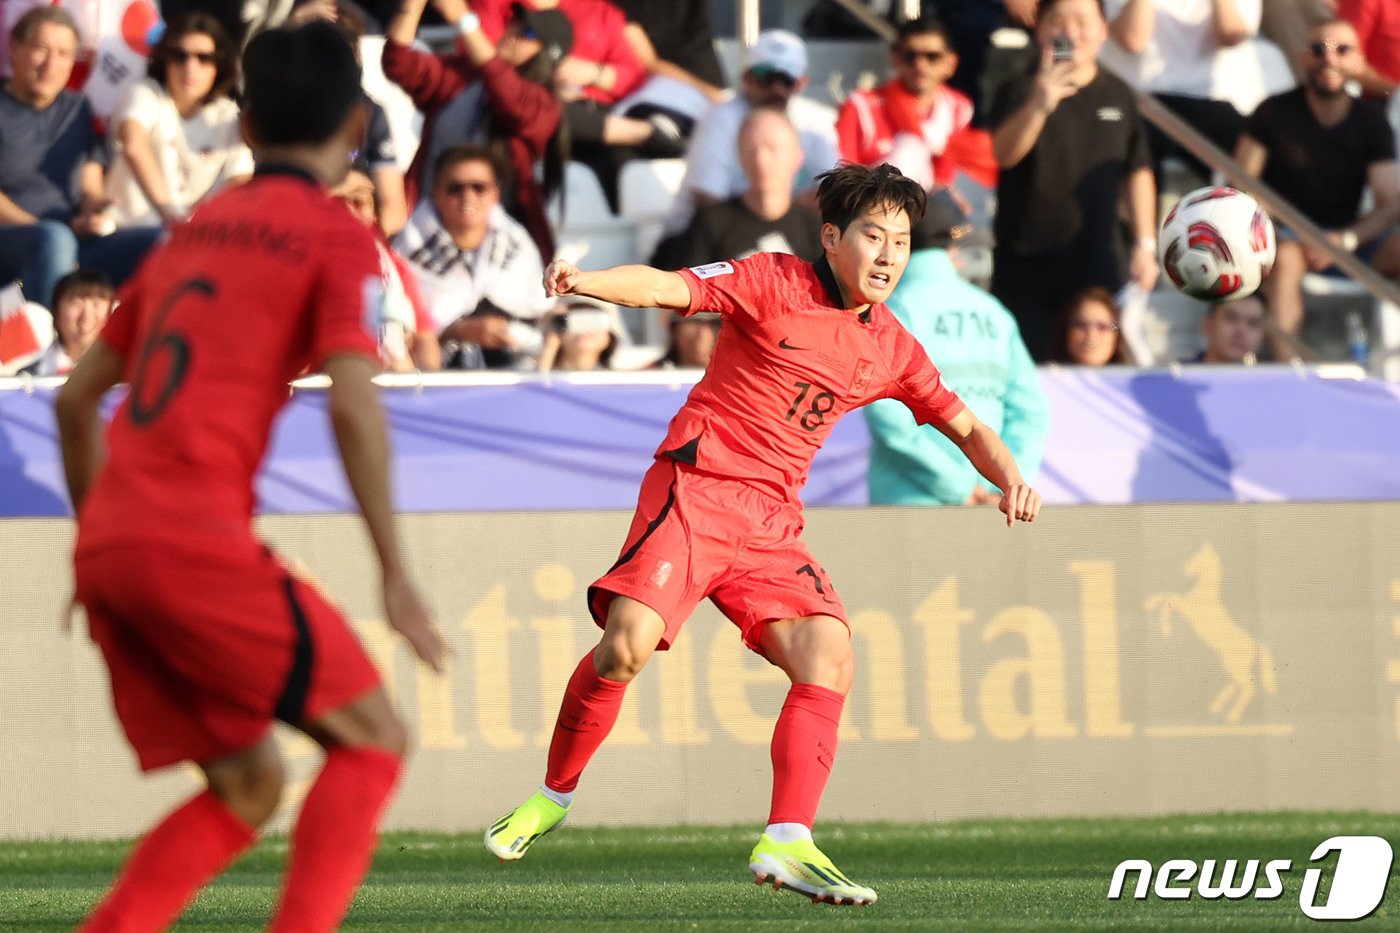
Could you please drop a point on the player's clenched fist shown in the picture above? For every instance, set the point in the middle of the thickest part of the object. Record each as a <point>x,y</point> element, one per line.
<point>1019,503</point>
<point>560,278</point>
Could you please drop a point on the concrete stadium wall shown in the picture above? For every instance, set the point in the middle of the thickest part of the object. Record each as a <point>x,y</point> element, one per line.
<point>1127,660</point>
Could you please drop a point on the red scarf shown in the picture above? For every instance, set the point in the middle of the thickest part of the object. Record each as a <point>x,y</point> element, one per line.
<point>968,150</point>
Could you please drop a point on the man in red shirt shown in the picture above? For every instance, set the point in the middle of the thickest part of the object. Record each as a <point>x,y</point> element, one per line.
<point>205,634</point>
<point>719,514</point>
<point>1377,25</point>
<point>916,121</point>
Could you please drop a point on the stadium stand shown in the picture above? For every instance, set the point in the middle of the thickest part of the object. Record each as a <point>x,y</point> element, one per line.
<point>589,233</point>
<point>646,189</point>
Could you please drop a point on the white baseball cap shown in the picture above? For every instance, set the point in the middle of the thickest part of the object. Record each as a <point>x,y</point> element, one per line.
<point>584,314</point>
<point>778,50</point>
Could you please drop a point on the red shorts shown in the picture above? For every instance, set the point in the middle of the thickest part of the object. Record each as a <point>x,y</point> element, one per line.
<point>696,535</point>
<point>204,652</point>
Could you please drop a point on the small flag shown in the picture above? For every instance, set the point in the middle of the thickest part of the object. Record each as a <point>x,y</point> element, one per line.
<point>20,341</point>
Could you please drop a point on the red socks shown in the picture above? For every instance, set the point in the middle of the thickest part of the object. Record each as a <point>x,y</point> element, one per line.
<point>169,866</point>
<point>804,741</point>
<point>804,747</point>
<point>331,849</point>
<point>586,717</point>
<point>335,837</point>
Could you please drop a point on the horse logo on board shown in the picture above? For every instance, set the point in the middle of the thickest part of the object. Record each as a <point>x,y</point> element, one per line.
<point>1246,661</point>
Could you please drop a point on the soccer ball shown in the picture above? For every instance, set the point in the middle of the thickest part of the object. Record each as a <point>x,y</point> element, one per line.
<point>1217,244</point>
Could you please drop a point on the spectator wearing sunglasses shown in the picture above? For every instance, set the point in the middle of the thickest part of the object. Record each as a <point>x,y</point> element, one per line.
<point>915,121</point>
<point>493,93</point>
<point>775,74</point>
<point>479,272</point>
<point>1321,149</point>
<point>1179,50</point>
<point>177,138</point>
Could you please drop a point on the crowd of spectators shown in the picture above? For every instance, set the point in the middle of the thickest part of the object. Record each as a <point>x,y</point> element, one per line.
<point>528,87</point>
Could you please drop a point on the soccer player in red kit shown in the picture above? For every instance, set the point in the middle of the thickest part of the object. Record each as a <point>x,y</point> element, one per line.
<point>206,636</point>
<point>719,515</point>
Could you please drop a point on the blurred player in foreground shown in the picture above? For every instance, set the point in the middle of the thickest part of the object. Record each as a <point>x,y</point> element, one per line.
<point>206,636</point>
<point>719,516</point>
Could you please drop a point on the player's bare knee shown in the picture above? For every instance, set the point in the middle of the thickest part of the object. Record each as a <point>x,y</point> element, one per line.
<point>391,735</point>
<point>631,635</point>
<point>377,726</point>
<point>619,658</point>
<point>370,721</point>
<point>250,785</point>
<point>815,650</point>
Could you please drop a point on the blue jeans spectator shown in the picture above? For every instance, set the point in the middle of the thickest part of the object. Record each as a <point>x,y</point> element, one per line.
<point>42,253</point>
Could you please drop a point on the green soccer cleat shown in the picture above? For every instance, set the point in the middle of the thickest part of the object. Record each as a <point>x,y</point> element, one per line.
<point>802,867</point>
<point>510,837</point>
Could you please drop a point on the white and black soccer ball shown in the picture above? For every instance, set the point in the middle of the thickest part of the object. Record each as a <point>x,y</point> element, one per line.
<point>1217,244</point>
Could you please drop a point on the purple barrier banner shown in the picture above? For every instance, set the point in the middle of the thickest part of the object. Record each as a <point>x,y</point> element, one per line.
<point>520,444</point>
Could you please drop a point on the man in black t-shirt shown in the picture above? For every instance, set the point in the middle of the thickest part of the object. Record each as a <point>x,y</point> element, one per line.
<point>1321,149</point>
<point>681,39</point>
<point>1070,143</point>
<point>764,219</point>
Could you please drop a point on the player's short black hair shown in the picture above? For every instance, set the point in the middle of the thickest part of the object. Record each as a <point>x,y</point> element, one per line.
<point>299,84</point>
<point>849,190</point>
<point>925,25</point>
<point>84,279</point>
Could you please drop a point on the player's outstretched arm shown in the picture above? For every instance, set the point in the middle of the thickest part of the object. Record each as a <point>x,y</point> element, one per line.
<point>632,286</point>
<point>79,421</point>
<point>981,446</point>
<point>363,438</point>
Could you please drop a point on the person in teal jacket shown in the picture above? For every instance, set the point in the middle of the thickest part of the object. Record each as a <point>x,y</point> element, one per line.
<point>974,341</point>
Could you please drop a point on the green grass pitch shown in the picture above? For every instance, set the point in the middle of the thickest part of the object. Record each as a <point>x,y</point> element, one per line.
<point>982,875</point>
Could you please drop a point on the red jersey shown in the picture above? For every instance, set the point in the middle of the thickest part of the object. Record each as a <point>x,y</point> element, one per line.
<point>869,122</point>
<point>1377,25</point>
<point>264,281</point>
<point>790,361</point>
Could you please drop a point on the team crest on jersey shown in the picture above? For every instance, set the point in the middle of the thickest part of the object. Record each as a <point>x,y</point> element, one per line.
<point>860,382</point>
<point>710,270</point>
